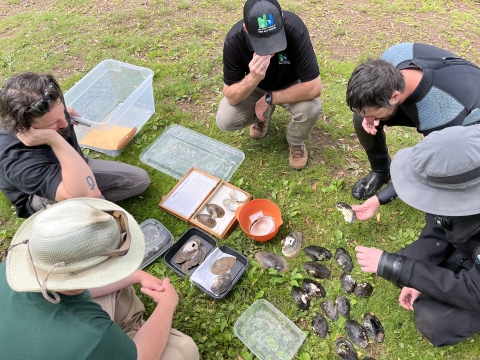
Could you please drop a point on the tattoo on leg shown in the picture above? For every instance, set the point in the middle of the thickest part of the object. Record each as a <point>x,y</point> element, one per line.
<point>90,182</point>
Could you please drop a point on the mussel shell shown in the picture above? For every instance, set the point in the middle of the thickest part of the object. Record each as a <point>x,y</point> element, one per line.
<point>206,220</point>
<point>345,349</point>
<point>221,283</point>
<point>313,288</point>
<point>271,261</point>
<point>317,270</point>
<point>320,325</point>
<point>343,306</point>
<point>238,196</point>
<point>368,358</point>
<point>330,310</point>
<point>316,252</point>
<point>343,259</point>
<point>374,327</point>
<point>215,210</point>
<point>347,283</point>
<point>230,204</point>
<point>187,250</point>
<point>301,298</point>
<point>363,290</point>
<point>196,259</point>
<point>223,265</point>
<point>347,211</point>
<point>292,243</point>
<point>357,333</point>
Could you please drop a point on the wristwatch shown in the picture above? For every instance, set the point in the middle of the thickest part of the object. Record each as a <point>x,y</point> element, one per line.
<point>269,98</point>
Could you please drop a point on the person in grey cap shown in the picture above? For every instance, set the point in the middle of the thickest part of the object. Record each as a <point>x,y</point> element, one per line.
<point>268,60</point>
<point>440,272</point>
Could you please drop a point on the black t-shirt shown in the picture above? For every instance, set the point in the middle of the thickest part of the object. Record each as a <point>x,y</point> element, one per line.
<point>297,62</point>
<point>26,170</point>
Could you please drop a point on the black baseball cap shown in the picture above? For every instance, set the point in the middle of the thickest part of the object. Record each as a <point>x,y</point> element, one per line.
<point>264,23</point>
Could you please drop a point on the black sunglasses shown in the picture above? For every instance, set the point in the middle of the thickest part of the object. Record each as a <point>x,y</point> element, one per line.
<point>42,106</point>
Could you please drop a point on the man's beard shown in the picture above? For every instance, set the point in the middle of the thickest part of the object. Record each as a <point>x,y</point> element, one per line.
<point>65,132</point>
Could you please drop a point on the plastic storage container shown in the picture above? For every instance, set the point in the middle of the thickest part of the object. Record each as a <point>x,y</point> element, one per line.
<point>268,333</point>
<point>115,99</point>
<point>157,240</point>
<point>210,244</point>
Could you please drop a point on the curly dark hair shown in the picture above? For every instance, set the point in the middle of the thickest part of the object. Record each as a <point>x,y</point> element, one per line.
<point>372,85</point>
<point>20,98</point>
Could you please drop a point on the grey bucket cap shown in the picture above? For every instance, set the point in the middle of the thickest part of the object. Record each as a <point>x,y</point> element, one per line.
<point>441,175</point>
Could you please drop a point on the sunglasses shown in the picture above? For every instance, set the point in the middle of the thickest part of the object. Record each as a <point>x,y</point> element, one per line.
<point>42,106</point>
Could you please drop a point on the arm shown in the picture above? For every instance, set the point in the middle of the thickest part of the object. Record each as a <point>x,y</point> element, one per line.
<point>138,277</point>
<point>299,92</point>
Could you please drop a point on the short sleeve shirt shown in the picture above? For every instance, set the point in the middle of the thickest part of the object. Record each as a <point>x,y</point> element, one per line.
<point>297,62</point>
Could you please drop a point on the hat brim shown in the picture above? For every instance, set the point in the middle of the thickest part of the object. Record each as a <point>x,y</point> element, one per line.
<point>21,274</point>
<point>429,199</point>
<point>270,45</point>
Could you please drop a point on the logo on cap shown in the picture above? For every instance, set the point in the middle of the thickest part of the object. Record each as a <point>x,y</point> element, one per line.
<point>265,24</point>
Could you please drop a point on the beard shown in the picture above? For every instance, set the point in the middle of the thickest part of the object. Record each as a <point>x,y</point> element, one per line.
<point>65,132</point>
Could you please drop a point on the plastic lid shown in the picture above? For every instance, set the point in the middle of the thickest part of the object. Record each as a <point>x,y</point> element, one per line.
<point>157,240</point>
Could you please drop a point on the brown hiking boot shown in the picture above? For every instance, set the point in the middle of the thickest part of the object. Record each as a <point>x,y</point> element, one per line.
<point>298,156</point>
<point>258,130</point>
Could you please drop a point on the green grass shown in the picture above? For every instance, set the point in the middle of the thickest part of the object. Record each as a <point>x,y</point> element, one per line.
<point>182,43</point>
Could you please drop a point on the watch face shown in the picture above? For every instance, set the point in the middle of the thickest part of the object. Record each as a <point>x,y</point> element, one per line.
<point>268,98</point>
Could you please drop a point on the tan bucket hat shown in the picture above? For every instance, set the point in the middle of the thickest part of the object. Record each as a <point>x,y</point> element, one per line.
<point>76,244</point>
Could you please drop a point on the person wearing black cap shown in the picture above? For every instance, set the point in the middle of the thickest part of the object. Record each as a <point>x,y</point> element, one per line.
<point>440,272</point>
<point>415,85</point>
<point>268,60</point>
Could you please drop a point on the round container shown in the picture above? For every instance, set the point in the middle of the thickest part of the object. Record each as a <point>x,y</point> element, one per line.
<point>268,208</point>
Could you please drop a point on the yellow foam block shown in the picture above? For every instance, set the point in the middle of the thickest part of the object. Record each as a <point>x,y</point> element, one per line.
<point>114,138</point>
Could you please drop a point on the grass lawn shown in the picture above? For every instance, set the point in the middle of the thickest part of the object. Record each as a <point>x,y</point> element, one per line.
<point>181,41</point>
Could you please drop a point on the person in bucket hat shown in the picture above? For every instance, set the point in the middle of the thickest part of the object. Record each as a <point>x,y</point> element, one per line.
<point>268,60</point>
<point>440,272</point>
<point>47,311</point>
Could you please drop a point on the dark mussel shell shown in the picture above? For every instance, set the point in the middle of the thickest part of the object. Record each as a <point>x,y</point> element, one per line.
<point>317,270</point>
<point>363,290</point>
<point>345,349</point>
<point>269,260</point>
<point>343,306</point>
<point>320,325</point>
<point>196,259</point>
<point>215,210</point>
<point>207,220</point>
<point>313,288</point>
<point>221,283</point>
<point>301,298</point>
<point>187,250</point>
<point>347,283</point>
<point>374,327</point>
<point>347,211</point>
<point>315,252</point>
<point>223,265</point>
<point>343,259</point>
<point>368,358</point>
<point>292,243</point>
<point>357,333</point>
<point>330,310</point>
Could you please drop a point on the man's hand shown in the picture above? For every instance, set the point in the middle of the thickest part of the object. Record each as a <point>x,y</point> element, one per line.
<point>151,282</point>
<point>370,126</point>
<point>167,296</point>
<point>262,109</point>
<point>35,137</point>
<point>367,209</point>
<point>407,297</point>
<point>258,67</point>
<point>71,111</point>
<point>368,258</point>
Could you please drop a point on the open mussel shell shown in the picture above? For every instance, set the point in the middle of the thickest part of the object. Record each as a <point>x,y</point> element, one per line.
<point>292,243</point>
<point>347,283</point>
<point>343,259</point>
<point>264,225</point>
<point>343,306</point>
<point>187,250</point>
<point>320,325</point>
<point>363,290</point>
<point>316,252</point>
<point>317,270</point>
<point>215,210</point>
<point>196,259</point>
<point>357,333</point>
<point>230,204</point>
<point>374,327</point>
<point>223,265</point>
<point>271,261</point>
<point>206,220</point>
<point>347,211</point>
<point>301,298</point>
<point>313,288</point>
<point>221,283</point>
<point>330,310</point>
<point>238,196</point>
<point>345,349</point>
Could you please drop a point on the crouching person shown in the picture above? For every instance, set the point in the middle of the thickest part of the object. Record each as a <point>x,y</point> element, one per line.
<point>66,289</point>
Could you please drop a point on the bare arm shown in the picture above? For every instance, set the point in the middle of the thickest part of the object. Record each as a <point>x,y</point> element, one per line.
<point>299,92</point>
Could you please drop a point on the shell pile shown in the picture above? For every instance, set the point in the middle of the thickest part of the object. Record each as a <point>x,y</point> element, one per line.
<point>191,254</point>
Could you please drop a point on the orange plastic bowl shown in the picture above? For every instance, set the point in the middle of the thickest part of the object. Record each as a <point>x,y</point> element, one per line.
<point>268,208</point>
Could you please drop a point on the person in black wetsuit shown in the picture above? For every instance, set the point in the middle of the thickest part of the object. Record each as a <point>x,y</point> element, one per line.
<point>440,272</point>
<point>416,85</point>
